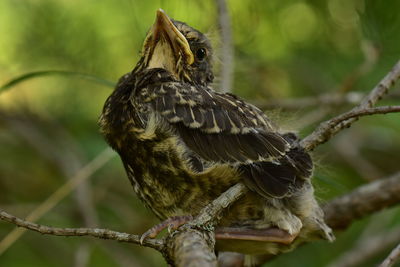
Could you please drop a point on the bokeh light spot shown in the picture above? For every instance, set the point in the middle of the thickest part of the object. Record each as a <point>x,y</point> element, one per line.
<point>298,22</point>
<point>344,12</point>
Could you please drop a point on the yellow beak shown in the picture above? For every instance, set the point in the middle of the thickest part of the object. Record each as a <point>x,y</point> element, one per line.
<point>164,28</point>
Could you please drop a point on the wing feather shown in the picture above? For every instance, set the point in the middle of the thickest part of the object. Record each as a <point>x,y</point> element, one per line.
<point>218,127</point>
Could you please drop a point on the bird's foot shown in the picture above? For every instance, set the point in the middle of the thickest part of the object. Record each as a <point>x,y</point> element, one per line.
<point>285,220</point>
<point>291,224</point>
<point>325,230</point>
<point>171,224</point>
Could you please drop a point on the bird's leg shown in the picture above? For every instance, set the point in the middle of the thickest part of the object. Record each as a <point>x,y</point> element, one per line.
<point>271,234</point>
<point>171,223</point>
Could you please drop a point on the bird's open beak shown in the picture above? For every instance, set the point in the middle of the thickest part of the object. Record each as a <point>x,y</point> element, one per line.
<point>163,29</point>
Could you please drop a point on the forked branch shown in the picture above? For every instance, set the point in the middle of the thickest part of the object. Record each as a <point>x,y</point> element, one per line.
<point>325,131</point>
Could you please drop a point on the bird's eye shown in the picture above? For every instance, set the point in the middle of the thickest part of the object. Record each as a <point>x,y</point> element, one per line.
<point>201,54</point>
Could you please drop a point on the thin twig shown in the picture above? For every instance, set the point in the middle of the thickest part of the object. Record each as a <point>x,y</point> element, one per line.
<point>362,112</point>
<point>325,128</point>
<point>227,47</point>
<point>324,133</point>
<point>393,257</point>
<point>94,232</point>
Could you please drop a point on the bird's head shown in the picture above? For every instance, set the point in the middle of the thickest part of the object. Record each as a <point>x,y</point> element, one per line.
<point>178,48</point>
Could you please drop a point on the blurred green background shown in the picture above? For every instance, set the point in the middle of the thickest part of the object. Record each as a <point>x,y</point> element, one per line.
<point>283,50</point>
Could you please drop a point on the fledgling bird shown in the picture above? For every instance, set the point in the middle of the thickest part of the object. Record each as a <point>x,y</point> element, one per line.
<point>183,144</point>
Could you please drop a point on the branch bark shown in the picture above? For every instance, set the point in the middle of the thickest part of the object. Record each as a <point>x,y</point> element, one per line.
<point>191,247</point>
<point>324,132</point>
<point>342,211</point>
<point>94,232</point>
<point>361,113</point>
<point>393,257</point>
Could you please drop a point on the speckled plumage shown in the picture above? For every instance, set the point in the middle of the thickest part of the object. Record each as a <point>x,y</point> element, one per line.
<point>183,144</point>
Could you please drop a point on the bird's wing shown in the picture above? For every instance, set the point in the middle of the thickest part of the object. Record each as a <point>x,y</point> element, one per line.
<point>217,127</point>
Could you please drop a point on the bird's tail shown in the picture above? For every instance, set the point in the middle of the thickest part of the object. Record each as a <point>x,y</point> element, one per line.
<point>279,179</point>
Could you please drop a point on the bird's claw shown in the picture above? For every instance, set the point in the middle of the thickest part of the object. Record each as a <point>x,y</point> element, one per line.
<point>170,224</point>
<point>171,228</point>
<point>143,237</point>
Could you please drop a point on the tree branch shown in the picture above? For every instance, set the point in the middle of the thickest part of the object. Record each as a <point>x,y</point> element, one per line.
<point>323,133</point>
<point>361,113</point>
<point>188,245</point>
<point>342,211</point>
<point>94,232</point>
<point>328,129</point>
<point>194,243</point>
<point>191,247</point>
<point>393,257</point>
<point>196,246</point>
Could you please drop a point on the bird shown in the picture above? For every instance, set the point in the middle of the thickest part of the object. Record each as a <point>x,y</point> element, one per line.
<point>183,143</point>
